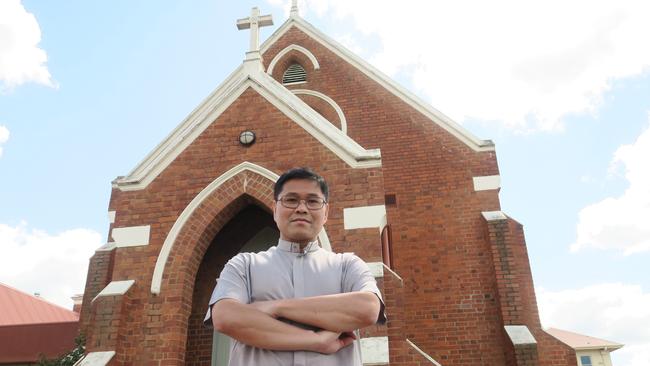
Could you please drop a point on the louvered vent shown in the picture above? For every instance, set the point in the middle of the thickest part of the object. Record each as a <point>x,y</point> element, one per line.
<point>295,73</point>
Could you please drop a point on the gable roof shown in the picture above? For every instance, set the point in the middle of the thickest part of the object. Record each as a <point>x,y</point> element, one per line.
<point>19,308</point>
<point>374,74</point>
<point>582,342</point>
<point>248,75</point>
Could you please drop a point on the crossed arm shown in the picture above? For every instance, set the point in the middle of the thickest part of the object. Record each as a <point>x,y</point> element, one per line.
<point>257,324</point>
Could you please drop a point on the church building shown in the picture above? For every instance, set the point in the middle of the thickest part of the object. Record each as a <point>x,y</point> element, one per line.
<point>412,193</point>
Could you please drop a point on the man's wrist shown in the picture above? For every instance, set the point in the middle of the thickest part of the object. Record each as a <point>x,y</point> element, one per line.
<point>279,308</point>
<point>315,343</point>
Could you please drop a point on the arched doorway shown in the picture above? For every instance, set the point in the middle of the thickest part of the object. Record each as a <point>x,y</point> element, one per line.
<point>250,230</point>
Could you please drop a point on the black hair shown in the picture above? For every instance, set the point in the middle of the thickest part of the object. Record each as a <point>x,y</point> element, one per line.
<point>300,173</point>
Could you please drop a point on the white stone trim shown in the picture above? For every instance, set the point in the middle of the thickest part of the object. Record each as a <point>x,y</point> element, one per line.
<point>131,236</point>
<point>96,359</point>
<point>115,288</point>
<point>210,109</point>
<point>374,351</point>
<point>364,217</point>
<point>106,247</point>
<point>376,268</point>
<point>393,273</point>
<point>330,101</point>
<point>494,215</point>
<point>486,183</point>
<point>411,99</point>
<point>77,299</point>
<point>111,217</point>
<point>424,354</point>
<point>168,245</point>
<point>295,83</point>
<point>520,335</point>
<point>289,48</point>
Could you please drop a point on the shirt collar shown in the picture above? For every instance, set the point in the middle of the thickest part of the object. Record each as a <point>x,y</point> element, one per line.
<point>292,247</point>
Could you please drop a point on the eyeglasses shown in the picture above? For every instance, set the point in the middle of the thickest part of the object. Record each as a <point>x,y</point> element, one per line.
<point>312,203</point>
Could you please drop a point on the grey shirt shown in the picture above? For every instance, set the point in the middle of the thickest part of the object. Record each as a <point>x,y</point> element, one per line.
<point>285,272</point>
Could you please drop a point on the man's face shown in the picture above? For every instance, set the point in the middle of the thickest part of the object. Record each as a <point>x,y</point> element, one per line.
<point>300,224</point>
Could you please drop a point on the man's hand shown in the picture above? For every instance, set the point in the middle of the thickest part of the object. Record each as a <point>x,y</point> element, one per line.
<point>332,342</point>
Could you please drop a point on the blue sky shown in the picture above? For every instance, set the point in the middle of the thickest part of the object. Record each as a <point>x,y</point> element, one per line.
<point>87,89</point>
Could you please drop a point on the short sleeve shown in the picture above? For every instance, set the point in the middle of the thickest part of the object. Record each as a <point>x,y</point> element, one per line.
<point>232,283</point>
<point>357,277</point>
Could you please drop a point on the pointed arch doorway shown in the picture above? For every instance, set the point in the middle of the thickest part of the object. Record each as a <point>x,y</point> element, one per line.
<point>252,229</point>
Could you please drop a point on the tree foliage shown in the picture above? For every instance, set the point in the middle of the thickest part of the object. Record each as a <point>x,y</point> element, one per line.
<point>70,358</point>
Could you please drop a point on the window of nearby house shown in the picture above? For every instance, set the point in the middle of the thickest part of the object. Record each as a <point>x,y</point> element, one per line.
<point>295,73</point>
<point>585,361</point>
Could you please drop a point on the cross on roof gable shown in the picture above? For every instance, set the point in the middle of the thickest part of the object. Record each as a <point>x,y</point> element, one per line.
<point>254,22</point>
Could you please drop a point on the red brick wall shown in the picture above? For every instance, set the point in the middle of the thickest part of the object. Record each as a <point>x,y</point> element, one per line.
<point>99,275</point>
<point>516,294</point>
<point>323,108</point>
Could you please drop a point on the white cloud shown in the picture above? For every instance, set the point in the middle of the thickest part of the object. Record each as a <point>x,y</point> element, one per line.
<point>53,265</point>
<point>21,60</point>
<point>615,312</point>
<point>4,137</point>
<point>621,223</point>
<point>524,63</point>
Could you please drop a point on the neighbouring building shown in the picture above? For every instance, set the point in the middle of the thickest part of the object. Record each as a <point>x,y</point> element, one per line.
<point>31,328</point>
<point>412,192</point>
<point>590,351</point>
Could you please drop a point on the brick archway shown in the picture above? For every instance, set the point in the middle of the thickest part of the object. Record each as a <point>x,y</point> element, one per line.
<point>190,245</point>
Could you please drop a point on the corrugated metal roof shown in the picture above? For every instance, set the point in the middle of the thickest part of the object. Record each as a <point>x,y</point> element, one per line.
<point>579,341</point>
<point>17,307</point>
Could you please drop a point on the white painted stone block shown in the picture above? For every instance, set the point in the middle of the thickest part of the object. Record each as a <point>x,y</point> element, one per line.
<point>106,247</point>
<point>363,217</point>
<point>487,182</point>
<point>520,335</point>
<point>111,217</point>
<point>115,288</point>
<point>494,215</point>
<point>132,236</point>
<point>374,351</point>
<point>96,359</point>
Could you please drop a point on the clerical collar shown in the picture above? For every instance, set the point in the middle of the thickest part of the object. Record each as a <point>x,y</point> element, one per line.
<point>292,247</point>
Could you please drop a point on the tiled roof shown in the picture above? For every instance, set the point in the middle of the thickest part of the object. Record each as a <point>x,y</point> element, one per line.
<point>579,341</point>
<point>19,308</point>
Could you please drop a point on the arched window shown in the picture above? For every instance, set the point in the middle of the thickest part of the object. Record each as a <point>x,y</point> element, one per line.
<point>295,73</point>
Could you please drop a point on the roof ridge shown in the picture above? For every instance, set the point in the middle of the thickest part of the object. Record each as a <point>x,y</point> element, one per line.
<point>559,332</point>
<point>22,308</point>
<point>34,297</point>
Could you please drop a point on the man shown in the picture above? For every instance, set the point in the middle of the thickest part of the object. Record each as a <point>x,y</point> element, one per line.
<point>296,303</point>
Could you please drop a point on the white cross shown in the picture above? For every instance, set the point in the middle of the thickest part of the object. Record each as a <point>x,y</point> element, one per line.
<point>254,22</point>
<point>294,7</point>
